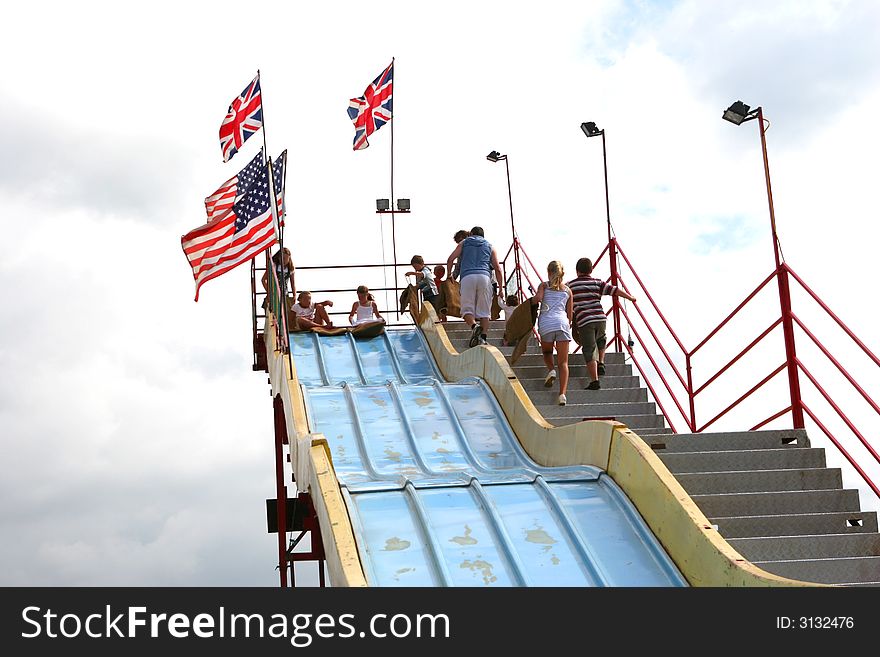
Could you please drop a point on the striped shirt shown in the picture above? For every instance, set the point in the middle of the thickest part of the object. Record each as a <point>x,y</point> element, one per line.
<point>587,292</point>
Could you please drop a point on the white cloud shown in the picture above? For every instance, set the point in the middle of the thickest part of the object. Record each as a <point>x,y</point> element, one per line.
<point>139,442</point>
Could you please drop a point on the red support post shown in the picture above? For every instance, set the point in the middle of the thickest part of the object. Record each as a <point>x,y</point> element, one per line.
<point>615,300</point>
<point>690,392</point>
<point>794,386</point>
<point>280,488</point>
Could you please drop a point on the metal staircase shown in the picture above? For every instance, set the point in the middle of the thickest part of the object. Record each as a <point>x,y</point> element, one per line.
<point>768,492</point>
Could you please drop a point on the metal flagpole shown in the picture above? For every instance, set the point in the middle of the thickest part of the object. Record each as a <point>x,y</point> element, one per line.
<point>263,113</point>
<point>393,235</point>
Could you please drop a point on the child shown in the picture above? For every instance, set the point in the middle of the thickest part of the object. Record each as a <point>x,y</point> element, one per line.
<point>554,325</point>
<point>423,280</point>
<point>509,305</point>
<point>439,273</point>
<point>310,314</point>
<point>364,309</point>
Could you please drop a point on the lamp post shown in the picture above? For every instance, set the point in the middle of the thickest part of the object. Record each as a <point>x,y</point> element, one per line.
<point>590,129</point>
<point>495,156</point>
<point>383,206</point>
<point>738,113</point>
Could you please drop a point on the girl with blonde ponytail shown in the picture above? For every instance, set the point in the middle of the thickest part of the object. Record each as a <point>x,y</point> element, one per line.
<point>554,325</point>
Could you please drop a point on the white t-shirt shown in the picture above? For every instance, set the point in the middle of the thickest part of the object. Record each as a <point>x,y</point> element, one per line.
<point>508,310</point>
<point>308,312</point>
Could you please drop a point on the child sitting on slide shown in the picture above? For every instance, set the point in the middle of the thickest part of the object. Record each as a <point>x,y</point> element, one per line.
<point>310,314</point>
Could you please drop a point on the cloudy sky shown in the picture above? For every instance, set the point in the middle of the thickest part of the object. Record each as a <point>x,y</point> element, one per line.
<point>137,442</point>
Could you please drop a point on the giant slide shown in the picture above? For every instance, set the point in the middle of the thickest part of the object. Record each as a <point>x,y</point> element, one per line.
<point>420,480</point>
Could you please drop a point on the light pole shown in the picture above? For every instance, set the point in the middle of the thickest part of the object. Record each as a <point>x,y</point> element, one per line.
<point>737,114</point>
<point>384,207</point>
<point>495,156</point>
<point>591,130</point>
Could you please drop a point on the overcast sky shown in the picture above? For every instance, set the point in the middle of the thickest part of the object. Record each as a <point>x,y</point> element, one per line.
<point>137,442</point>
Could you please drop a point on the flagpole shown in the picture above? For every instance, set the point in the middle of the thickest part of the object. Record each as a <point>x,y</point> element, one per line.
<point>393,234</point>
<point>263,113</point>
<point>267,161</point>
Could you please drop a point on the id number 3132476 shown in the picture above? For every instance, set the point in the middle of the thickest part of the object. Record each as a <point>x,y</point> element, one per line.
<point>815,623</point>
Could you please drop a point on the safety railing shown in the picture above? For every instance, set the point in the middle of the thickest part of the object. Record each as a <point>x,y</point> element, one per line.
<point>669,370</point>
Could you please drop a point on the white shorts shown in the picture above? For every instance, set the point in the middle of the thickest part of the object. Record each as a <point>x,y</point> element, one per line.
<point>476,296</point>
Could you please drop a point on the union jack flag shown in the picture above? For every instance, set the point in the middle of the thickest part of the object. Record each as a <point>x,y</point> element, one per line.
<point>219,203</point>
<point>244,232</point>
<point>372,110</point>
<point>244,118</point>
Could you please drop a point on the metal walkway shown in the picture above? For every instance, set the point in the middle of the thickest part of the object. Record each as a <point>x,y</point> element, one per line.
<point>439,490</point>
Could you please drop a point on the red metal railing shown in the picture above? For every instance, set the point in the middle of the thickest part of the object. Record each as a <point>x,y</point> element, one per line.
<point>667,366</point>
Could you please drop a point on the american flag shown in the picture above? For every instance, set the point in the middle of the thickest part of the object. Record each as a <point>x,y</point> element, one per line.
<point>244,118</point>
<point>221,201</point>
<point>244,232</point>
<point>279,179</point>
<point>372,110</point>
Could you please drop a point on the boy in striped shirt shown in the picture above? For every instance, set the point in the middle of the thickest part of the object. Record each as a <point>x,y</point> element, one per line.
<point>590,317</point>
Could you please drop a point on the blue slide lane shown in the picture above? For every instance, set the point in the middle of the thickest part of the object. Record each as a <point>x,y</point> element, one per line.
<point>439,490</point>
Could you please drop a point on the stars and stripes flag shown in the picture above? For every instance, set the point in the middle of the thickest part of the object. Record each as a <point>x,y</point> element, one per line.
<point>221,201</point>
<point>245,231</point>
<point>243,119</point>
<point>372,110</point>
<point>279,179</point>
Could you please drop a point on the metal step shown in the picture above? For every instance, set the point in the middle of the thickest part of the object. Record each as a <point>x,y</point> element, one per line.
<point>767,504</point>
<point>839,522</point>
<point>727,441</point>
<point>819,546</point>
<point>604,410</point>
<point>846,571</point>
<point>753,481</point>
<point>548,396</point>
<point>576,370</point>
<point>756,459</point>
<point>638,423</point>
<point>608,383</point>
<point>536,359</point>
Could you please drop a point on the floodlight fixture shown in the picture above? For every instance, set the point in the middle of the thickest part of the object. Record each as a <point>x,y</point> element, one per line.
<point>738,112</point>
<point>382,204</point>
<point>590,129</point>
<point>495,156</point>
<point>403,204</point>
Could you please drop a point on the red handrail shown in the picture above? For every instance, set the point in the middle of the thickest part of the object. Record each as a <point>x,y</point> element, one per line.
<point>787,318</point>
<point>840,448</point>
<point>659,373</point>
<point>653,392</point>
<point>738,356</point>
<point>743,397</point>
<point>771,418</point>
<point>840,413</point>
<point>653,335</point>
<point>839,367</point>
<point>843,326</point>
<point>735,311</point>
<point>651,299</point>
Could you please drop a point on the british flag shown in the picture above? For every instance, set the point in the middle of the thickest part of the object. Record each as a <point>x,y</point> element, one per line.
<point>244,118</point>
<point>372,110</point>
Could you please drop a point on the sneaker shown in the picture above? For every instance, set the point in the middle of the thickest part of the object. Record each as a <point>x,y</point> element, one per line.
<point>475,336</point>
<point>550,378</point>
<point>483,340</point>
<point>562,400</point>
<point>594,385</point>
<point>601,368</point>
